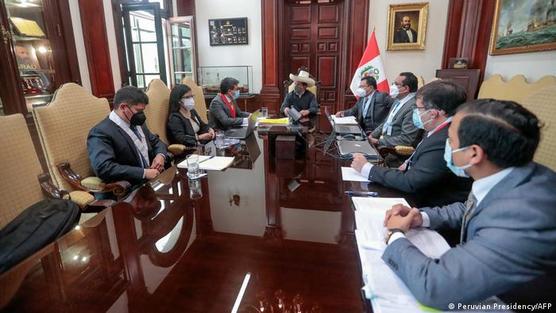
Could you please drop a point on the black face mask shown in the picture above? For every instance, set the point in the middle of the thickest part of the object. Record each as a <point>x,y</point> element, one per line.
<point>138,119</point>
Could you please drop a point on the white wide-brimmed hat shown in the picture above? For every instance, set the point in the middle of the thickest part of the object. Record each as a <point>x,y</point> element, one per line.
<point>303,77</point>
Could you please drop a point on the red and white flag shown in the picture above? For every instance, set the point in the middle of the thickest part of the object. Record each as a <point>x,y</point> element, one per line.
<point>371,65</point>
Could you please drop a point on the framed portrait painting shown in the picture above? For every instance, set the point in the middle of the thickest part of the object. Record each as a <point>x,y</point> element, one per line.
<point>407,26</point>
<point>523,26</point>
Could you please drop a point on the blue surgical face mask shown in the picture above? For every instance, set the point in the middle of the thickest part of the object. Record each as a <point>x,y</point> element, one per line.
<point>236,94</point>
<point>458,170</point>
<point>417,121</point>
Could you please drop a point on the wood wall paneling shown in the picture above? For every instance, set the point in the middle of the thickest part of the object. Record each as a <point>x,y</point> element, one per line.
<point>271,38</point>
<point>96,48</point>
<point>468,32</point>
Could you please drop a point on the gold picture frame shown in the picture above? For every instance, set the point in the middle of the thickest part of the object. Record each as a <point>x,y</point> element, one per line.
<point>526,28</point>
<point>412,37</point>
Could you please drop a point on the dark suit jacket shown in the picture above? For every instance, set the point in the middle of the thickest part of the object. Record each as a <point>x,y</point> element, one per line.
<point>378,111</point>
<point>220,114</point>
<point>404,132</point>
<point>180,130</point>
<point>113,154</point>
<point>509,245</point>
<point>401,36</point>
<point>428,177</point>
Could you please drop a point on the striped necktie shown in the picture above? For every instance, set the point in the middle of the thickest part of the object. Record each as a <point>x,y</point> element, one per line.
<point>134,129</point>
<point>470,204</point>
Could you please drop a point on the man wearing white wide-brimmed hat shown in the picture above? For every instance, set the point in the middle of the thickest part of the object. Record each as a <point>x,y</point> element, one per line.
<point>300,98</point>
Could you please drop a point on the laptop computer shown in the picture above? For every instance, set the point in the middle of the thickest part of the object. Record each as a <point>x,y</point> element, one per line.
<point>348,147</point>
<point>244,131</point>
<point>344,128</point>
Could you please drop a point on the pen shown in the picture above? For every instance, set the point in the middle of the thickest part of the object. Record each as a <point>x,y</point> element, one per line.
<point>212,156</point>
<point>361,193</point>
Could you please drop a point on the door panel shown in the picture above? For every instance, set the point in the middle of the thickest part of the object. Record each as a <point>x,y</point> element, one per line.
<point>314,41</point>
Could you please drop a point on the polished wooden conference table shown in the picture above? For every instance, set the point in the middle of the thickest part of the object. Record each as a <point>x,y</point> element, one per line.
<point>266,235</point>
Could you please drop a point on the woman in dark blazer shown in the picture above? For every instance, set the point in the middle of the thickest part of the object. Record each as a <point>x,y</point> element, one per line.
<point>184,124</point>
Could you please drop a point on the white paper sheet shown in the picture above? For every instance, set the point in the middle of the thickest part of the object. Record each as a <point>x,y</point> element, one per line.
<point>350,174</point>
<point>348,120</point>
<point>217,163</point>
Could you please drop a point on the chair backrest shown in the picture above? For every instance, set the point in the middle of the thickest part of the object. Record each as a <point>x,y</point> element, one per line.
<point>199,96</point>
<point>516,89</point>
<point>420,81</point>
<point>157,109</point>
<point>63,126</point>
<point>19,166</point>
<point>312,89</point>
<point>542,104</point>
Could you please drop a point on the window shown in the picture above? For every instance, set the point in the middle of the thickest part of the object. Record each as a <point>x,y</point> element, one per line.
<point>144,43</point>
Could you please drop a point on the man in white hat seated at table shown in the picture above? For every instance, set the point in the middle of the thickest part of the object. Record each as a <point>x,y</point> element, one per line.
<point>300,98</point>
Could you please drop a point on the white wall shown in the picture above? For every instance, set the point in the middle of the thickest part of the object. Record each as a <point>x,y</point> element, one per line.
<point>420,62</point>
<point>533,65</point>
<point>250,54</point>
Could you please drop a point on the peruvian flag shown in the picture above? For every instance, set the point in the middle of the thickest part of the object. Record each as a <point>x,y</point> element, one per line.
<point>371,65</point>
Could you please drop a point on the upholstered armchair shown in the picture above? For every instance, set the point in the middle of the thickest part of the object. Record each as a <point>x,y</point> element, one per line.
<point>63,127</point>
<point>22,181</point>
<point>542,104</point>
<point>157,114</point>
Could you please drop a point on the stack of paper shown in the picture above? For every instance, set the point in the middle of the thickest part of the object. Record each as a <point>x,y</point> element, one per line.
<point>350,174</point>
<point>275,121</point>
<point>383,287</point>
<point>348,120</point>
<point>211,163</point>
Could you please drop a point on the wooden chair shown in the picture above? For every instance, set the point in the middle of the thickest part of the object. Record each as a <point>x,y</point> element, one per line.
<point>157,114</point>
<point>63,127</point>
<point>542,104</point>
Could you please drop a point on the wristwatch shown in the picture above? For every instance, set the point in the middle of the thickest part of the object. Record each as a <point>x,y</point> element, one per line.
<point>391,232</point>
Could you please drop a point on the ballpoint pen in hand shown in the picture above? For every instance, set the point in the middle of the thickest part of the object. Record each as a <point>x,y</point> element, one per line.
<point>361,193</point>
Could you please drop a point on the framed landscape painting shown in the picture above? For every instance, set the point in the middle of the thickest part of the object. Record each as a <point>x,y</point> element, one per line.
<point>523,26</point>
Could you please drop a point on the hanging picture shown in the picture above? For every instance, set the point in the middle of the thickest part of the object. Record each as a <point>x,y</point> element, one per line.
<point>407,26</point>
<point>228,31</point>
<point>523,26</point>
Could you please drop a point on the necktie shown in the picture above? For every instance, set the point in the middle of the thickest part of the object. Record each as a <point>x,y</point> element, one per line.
<point>470,204</point>
<point>136,132</point>
<point>366,107</point>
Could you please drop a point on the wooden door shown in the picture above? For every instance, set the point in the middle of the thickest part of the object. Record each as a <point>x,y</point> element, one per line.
<point>314,38</point>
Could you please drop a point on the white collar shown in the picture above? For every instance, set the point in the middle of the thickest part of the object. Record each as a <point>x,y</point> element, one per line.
<point>482,187</point>
<point>407,98</point>
<point>114,117</point>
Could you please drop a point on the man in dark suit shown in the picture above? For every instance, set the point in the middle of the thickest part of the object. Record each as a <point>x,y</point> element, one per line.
<point>425,174</point>
<point>507,226</point>
<point>224,111</point>
<point>371,108</point>
<point>405,34</point>
<point>121,147</point>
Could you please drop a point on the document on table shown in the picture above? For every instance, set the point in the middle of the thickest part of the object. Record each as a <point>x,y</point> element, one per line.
<point>208,163</point>
<point>383,287</point>
<point>348,120</point>
<point>350,174</point>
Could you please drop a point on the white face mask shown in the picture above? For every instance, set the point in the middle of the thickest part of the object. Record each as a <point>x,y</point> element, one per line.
<point>360,92</point>
<point>188,104</point>
<point>394,91</point>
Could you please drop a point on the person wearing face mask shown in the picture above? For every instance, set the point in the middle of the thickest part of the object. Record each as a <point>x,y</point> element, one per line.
<point>372,106</point>
<point>507,226</point>
<point>184,124</point>
<point>224,111</point>
<point>121,147</point>
<point>398,128</point>
<point>425,174</point>
<point>304,101</point>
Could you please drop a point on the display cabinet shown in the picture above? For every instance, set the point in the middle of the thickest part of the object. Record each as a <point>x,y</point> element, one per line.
<point>210,77</point>
<point>37,51</point>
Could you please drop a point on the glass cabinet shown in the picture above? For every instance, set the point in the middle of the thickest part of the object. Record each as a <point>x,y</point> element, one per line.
<point>35,52</point>
<point>210,77</point>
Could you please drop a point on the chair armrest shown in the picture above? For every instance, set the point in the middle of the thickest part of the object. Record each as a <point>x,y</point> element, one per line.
<point>49,188</point>
<point>70,176</point>
<point>404,150</point>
